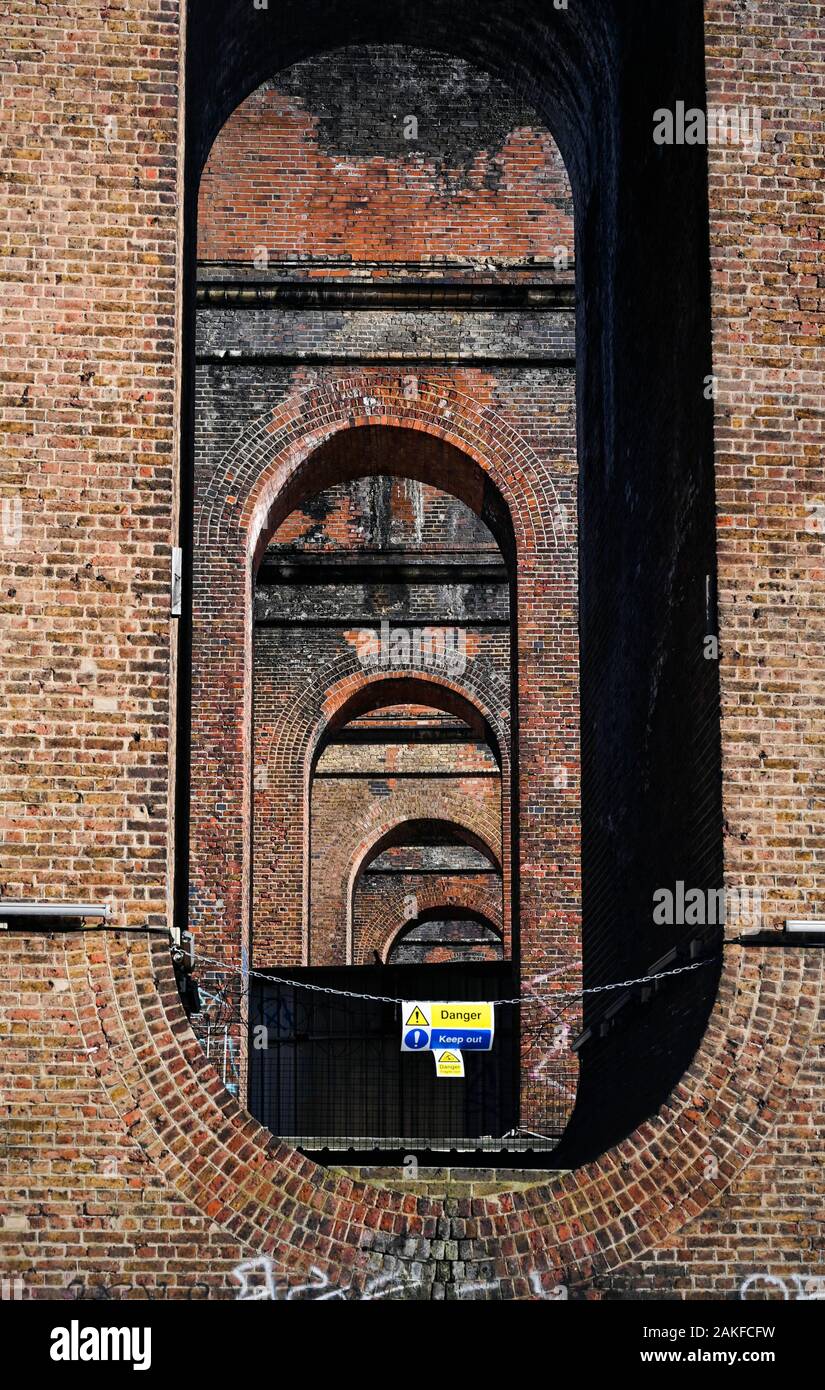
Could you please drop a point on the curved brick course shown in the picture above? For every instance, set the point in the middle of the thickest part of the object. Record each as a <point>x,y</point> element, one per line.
<point>264,1199</point>
<point>379,917</point>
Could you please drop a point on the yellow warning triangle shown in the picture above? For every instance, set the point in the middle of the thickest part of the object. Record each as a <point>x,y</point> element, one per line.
<point>417,1019</point>
<point>448,1057</point>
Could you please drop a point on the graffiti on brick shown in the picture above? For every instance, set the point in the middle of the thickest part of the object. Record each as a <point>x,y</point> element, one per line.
<point>793,1287</point>
<point>260,1279</point>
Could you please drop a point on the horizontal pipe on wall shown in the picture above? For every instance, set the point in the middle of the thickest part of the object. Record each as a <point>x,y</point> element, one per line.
<point>54,909</point>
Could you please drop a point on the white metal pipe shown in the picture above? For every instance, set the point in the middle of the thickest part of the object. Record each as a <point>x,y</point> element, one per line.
<point>54,909</point>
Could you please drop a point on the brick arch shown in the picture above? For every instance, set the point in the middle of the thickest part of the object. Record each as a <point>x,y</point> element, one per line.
<point>270,468</point>
<point>285,762</point>
<point>481,698</point>
<point>374,422</point>
<point>572,66</point>
<point>377,926</point>
<point>447,952</point>
<point>477,826</point>
<point>649,500</point>
<point>256,1197</point>
<point>339,695</point>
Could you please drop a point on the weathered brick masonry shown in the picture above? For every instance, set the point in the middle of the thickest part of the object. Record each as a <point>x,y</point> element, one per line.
<point>125,1162</point>
<point>519,409</point>
<point>309,638</point>
<point>469,803</point>
<point>381,909</point>
<point>144,1173</point>
<point>89,261</point>
<point>322,165</point>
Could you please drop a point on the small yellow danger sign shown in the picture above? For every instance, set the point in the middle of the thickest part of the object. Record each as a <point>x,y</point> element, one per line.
<point>449,1063</point>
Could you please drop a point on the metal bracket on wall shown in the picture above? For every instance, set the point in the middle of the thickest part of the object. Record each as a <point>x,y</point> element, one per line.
<point>797,932</point>
<point>177,581</point>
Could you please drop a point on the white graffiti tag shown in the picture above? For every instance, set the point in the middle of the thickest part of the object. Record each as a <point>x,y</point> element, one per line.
<point>260,1278</point>
<point>813,1287</point>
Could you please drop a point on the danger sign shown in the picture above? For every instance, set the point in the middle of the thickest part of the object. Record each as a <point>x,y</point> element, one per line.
<point>449,1063</point>
<point>430,1027</point>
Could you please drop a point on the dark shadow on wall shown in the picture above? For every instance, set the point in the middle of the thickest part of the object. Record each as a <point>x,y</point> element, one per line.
<point>651,780</point>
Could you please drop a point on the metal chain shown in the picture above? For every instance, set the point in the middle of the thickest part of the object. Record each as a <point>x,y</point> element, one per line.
<point>521,999</point>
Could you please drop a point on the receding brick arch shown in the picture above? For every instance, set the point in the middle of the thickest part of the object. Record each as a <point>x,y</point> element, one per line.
<point>476,828</point>
<point>377,422</point>
<point>378,925</point>
<point>286,755</point>
<point>479,826</point>
<point>274,464</point>
<point>445,951</point>
<point>346,689</point>
<point>481,698</point>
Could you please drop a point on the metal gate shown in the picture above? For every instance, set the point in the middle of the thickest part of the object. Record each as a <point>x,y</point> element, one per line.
<point>327,1072</point>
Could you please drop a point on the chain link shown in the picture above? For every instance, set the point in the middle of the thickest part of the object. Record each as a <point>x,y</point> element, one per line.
<point>599,989</point>
<point>519,1000</point>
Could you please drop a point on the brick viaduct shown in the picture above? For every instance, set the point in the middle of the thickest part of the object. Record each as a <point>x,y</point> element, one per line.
<point>681,456</point>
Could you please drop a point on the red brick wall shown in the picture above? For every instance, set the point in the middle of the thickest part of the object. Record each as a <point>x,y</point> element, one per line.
<point>126,1165</point>
<point>276,181</point>
<point>766,240</point>
<point>89,251</point>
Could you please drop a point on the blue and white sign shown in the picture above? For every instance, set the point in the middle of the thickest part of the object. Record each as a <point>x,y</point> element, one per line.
<point>431,1027</point>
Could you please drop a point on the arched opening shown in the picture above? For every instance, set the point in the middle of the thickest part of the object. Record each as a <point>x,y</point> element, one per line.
<point>444,935</point>
<point>386,671</point>
<point>413,865</point>
<point>642,682</point>
<point>377,688</point>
